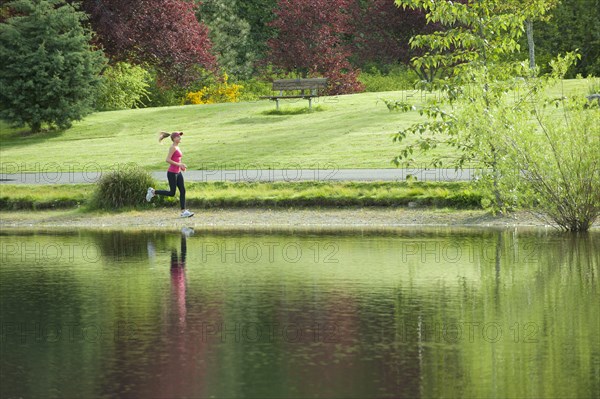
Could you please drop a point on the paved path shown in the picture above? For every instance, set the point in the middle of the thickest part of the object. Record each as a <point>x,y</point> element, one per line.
<point>255,175</point>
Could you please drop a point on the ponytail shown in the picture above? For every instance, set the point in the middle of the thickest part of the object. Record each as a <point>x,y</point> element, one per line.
<point>162,136</point>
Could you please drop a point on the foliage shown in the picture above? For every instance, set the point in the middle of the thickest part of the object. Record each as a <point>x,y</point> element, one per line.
<point>382,32</point>
<point>161,33</point>
<point>556,157</point>
<point>480,37</point>
<point>163,95</point>
<point>573,24</point>
<point>254,88</point>
<point>5,12</point>
<point>124,187</point>
<point>50,71</point>
<point>398,77</point>
<point>552,158</point>
<point>219,92</point>
<point>540,161</point>
<point>594,87</point>
<point>478,33</point>
<point>230,36</point>
<point>258,14</point>
<point>124,86</point>
<point>379,32</point>
<point>310,41</point>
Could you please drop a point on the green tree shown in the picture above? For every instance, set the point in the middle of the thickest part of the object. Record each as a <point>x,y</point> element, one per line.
<point>479,33</point>
<point>480,36</point>
<point>532,10</point>
<point>50,71</point>
<point>573,24</point>
<point>230,36</point>
<point>487,116</point>
<point>259,14</point>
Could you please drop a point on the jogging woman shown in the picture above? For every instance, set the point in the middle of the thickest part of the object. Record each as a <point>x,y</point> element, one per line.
<point>174,174</point>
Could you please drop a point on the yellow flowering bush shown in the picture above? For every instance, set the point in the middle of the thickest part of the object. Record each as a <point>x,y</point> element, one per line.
<point>221,92</point>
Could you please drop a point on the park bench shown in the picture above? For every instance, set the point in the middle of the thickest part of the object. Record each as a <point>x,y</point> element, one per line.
<point>303,88</point>
<point>595,96</point>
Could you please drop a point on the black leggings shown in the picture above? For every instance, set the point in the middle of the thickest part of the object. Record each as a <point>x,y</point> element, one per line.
<point>175,181</point>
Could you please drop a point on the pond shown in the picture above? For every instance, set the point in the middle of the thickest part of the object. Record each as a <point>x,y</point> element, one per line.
<point>410,313</point>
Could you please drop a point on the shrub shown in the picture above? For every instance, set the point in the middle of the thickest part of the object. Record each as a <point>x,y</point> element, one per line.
<point>254,88</point>
<point>219,92</point>
<point>125,187</point>
<point>397,78</point>
<point>558,164</point>
<point>162,96</point>
<point>125,86</point>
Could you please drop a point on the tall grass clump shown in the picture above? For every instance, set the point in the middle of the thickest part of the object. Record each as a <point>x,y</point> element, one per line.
<point>122,188</point>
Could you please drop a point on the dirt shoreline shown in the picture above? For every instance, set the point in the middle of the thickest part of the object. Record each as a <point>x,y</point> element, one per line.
<point>270,219</point>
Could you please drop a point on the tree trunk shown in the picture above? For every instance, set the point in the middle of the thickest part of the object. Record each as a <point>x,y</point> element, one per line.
<point>36,127</point>
<point>530,44</point>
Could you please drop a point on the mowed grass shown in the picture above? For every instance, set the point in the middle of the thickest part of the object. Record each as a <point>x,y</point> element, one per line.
<point>349,131</point>
<point>352,131</point>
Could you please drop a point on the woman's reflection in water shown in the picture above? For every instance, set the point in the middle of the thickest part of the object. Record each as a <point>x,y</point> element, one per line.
<point>178,282</point>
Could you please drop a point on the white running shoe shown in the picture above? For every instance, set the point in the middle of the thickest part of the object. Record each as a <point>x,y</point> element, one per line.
<point>187,231</point>
<point>187,214</point>
<point>149,194</point>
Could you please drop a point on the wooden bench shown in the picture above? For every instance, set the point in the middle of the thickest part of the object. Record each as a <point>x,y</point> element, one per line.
<point>308,89</point>
<point>595,96</point>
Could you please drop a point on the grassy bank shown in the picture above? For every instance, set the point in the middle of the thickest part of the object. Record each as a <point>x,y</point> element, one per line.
<point>350,131</point>
<point>247,195</point>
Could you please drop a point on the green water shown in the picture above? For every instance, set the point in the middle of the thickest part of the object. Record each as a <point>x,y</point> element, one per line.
<point>428,313</point>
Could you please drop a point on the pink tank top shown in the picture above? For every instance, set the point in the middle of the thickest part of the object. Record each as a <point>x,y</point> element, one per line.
<point>177,158</point>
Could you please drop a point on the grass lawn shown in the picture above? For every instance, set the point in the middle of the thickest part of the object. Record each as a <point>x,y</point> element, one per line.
<point>349,131</point>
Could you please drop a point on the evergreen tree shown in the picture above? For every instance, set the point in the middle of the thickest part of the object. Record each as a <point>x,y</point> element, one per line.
<point>49,71</point>
<point>230,36</point>
<point>259,14</point>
